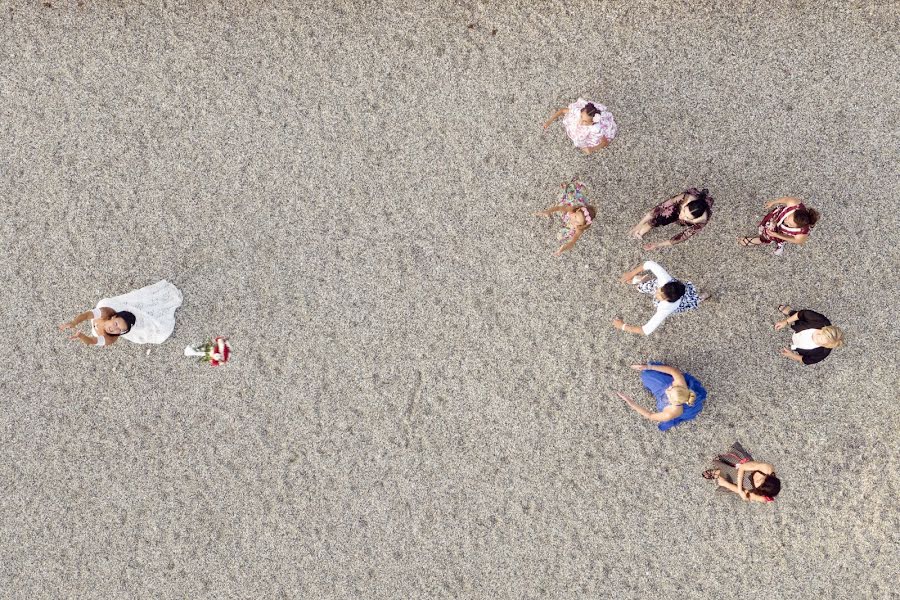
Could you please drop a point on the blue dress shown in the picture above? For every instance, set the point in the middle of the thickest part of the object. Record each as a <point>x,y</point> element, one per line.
<point>658,383</point>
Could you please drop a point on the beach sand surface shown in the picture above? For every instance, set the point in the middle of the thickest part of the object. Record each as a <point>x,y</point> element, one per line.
<point>421,398</point>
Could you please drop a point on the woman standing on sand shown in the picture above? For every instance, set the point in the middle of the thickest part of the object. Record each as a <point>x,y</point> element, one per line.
<point>144,316</point>
<point>575,214</point>
<point>789,221</point>
<point>735,471</point>
<point>679,396</point>
<point>670,296</point>
<point>814,336</point>
<point>692,209</point>
<point>588,124</point>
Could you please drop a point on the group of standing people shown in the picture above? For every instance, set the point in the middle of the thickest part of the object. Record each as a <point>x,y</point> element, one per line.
<point>147,315</point>
<point>679,396</point>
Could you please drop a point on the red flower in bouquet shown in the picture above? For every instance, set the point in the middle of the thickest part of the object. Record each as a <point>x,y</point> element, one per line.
<point>215,352</point>
<point>221,352</point>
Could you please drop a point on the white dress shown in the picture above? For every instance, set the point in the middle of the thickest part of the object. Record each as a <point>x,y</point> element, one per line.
<point>153,308</point>
<point>588,136</point>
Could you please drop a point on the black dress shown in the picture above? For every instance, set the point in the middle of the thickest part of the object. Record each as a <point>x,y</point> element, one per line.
<point>810,319</point>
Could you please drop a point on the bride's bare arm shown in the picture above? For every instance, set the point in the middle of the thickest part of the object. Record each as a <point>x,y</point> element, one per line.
<point>89,340</point>
<point>105,312</point>
<point>77,320</point>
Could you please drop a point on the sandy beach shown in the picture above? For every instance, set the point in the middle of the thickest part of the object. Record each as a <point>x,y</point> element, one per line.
<point>421,398</point>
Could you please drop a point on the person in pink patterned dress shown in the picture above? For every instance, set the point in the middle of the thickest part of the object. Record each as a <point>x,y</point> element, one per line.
<point>588,124</point>
<point>788,221</point>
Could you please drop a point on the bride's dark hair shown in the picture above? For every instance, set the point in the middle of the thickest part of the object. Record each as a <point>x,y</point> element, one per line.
<point>126,316</point>
<point>591,110</point>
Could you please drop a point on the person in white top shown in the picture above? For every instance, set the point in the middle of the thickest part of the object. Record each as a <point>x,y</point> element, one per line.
<point>144,316</point>
<point>814,336</point>
<point>669,295</point>
<point>588,124</point>
<point>106,326</point>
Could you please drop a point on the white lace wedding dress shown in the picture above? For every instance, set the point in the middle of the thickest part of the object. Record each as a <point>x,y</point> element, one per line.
<point>153,308</point>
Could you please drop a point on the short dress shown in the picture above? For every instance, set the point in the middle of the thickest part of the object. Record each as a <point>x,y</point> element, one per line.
<point>588,136</point>
<point>572,195</point>
<point>657,383</point>
<point>774,221</point>
<point>667,213</point>
<point>727,464</point>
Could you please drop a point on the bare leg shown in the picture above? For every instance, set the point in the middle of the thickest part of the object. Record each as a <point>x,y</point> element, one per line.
<point>749,241</point>
<point>639,230</point>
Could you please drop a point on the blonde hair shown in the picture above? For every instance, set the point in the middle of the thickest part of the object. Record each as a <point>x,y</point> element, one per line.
<point>681,395</point>
<point>834,337</point>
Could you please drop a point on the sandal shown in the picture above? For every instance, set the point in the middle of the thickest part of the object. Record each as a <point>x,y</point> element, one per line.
<point>749,241</point>
<point>711,474</point>
<point>785,309</point>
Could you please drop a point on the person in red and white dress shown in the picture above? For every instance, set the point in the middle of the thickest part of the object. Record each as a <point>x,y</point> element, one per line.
<point>788,222</point>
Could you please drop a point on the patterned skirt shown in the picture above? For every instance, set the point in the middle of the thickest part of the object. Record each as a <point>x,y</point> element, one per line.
<point>727,464</point>
<point>689,301</point>
<point>572,195</point>
<point>774,221</point>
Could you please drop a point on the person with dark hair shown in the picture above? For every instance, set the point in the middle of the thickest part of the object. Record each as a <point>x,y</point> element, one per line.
<point>692,209</point>
<point>144,316</point>
<point>575,214</point>
<point>669,295</point>
<point>788,221</point>
<point>736,471</point>
<point>106,326</point>
<point>588,124</point>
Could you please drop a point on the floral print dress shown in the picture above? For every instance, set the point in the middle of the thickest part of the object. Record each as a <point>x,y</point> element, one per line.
<point>668,212</point>
<point>572,195</point>
<point>588,136</point>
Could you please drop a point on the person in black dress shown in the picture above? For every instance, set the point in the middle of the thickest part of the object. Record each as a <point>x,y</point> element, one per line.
<point>814,336</point>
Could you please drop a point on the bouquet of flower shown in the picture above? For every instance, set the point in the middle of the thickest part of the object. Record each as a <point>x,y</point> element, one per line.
<point>215,352</point>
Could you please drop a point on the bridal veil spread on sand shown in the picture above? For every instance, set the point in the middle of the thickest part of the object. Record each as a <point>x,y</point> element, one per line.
<point>154,309</point>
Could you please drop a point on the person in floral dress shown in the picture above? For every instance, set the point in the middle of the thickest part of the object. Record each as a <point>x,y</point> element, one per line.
<point>589,125</point>
<point>692,209</point>
<point>574,213</point>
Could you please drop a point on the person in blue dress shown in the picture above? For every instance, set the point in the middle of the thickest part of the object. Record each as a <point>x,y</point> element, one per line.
<point>679,396</point>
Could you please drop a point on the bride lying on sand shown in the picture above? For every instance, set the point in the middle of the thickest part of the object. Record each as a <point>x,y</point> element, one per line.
<point>144,316</point>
